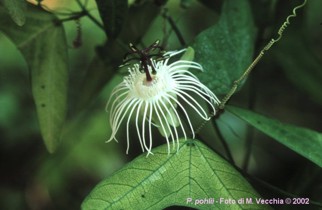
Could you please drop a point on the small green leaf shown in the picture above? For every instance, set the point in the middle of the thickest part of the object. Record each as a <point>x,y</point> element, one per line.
<point>163,180</point>
<point>17,10</point>
<point>188,55</point>
<point>305,142</point>
<point>225,50</point>
<point>44,47</point>
<point>113,14</point>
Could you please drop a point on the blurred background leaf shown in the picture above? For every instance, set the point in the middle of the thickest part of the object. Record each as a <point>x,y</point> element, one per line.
<point>313,23</point>
<point>84,158</point>
<point>301,65</point>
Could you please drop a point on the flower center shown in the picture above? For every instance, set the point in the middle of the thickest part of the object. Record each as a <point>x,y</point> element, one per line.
<point>151,89</point>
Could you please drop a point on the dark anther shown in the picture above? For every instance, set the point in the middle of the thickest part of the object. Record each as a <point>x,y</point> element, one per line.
<point>144,56</point>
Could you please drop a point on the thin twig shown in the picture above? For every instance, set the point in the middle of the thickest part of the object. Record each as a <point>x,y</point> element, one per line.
<point>75,16</point>
<point>91,17</point>
<point>174,27</point>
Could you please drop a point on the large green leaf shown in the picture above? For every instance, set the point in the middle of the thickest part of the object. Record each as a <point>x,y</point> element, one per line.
<point>17,10</point>
<point>306,142</point>
<point>226,49</point>
<point>43,45</point>
<point>163,180</point>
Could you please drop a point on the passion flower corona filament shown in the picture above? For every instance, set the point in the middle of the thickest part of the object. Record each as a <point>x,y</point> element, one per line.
<point>155,101</point>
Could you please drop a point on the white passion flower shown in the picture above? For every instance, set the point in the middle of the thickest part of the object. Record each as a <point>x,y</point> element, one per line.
<point>153,97</point>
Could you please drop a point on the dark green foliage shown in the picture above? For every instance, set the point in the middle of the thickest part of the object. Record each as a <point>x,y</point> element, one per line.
<point>226,49</point>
